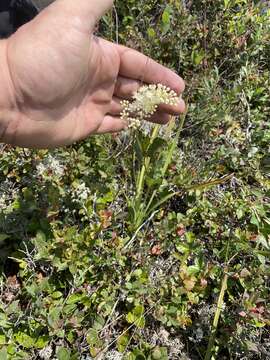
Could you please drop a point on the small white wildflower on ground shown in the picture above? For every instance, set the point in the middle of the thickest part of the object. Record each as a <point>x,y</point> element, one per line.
<point>7,194</point>
<point>145,103</point>
<point>113,355</point>
<point>50,165</point>
<point>81,193</point>
<point>199,334</point>
<point>46,353</point>
<point>3,201</point>
<point>175,345</point>
<point>159,270</point>
<point>163,335</point>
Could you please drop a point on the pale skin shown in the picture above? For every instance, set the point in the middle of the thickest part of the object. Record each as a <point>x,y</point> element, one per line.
<point>60,83</point>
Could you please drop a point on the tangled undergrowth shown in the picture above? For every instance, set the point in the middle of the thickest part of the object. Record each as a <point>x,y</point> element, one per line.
<point>152,244</point>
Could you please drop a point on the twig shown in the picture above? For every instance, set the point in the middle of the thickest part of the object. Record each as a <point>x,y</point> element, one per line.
<point>139,229</point>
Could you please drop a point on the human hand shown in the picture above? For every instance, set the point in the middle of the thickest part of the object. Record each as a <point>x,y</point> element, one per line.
<point>67,83</point>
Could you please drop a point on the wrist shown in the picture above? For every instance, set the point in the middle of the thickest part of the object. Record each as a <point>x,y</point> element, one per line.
<point>8,107</point>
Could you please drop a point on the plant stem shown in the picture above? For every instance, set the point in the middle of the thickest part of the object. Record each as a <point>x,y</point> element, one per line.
<point>168,158</point>
<point>217,316</point>
<point>173,145</point>
<point>145,166</point>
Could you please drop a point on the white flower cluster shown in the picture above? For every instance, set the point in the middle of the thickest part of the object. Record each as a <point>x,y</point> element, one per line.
<point>46,353</point>
<point>145,103</point>
<point>8,193</point>
<point>81,193</point>
<point>50,166</point>
<point>163,337</point>
<point>113,355</point>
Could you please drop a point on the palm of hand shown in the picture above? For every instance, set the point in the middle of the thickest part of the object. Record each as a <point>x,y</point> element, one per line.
<point>65,85</point>
<point>68,84</point>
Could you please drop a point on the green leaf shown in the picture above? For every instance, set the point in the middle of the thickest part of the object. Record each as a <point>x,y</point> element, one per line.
<point>166,20</point>
<point>24,340</point>
<point>136,316</point>
<point>4,323</point>
<point>156,354</point>
<point>130,318</point>
<point>151,33</point>
<point>11,349</point>
<point>160,353</point>
<point>93,339</point>
<point>56,295</point>
<point>254,220</point>
<point>130,356</point>
<point>262,240</point>
<point>193,270</point>
<point>41,245</point>
<point>74,298</point>
<point>190,236</point>
<point>239,213</point>
<point>166,16</point>
<point>197,56</point>
<point>138,310</point>
<point>139,354</point>
<point>122,343</point>
<point>2,339</point>
<point>63,354</point>
<point>3,354</point>
<point>42,341</point>
<point>157,145</point>
<point>53,317</point>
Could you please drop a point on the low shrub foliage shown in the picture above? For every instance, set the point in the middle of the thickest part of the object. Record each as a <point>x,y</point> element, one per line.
<point>153,243</point>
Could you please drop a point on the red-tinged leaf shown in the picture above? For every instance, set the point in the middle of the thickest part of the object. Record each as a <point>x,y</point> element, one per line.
<point>114,235</point>
<point>258,310</point>
<point>181,230</point>
<point>253,237</point>
<point>243,314</point>
<point>106,217</point>
<point>156,250</point>
<point>204,283</point>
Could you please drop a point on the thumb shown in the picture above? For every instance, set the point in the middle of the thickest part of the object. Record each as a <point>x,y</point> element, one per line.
<point>87,11</point>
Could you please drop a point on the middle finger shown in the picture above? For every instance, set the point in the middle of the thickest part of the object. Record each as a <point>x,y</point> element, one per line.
<point>125,88</point>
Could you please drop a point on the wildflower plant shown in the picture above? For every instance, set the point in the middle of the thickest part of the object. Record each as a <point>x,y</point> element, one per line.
<point>145,103</point>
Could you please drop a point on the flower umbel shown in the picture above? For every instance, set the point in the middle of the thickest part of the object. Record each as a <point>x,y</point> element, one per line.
<point>51,166</point>
<point>81,193</point>
<point>145,103</point>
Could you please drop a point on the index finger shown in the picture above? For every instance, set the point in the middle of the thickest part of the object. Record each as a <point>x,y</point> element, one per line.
<point>137,66</point>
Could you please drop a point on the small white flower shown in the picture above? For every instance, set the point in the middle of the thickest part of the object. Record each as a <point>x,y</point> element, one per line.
<point>8,194</point>
<point>41,169</point>
<point>50,164</point>
<point>113,355</point>
<point>46,353</point>
<point>199,334</point>
<point>81,193</point>
<point>145,103</point>
<point>3,200</point>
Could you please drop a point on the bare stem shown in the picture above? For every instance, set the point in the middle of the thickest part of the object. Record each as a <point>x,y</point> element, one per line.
<point>212,338</point>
